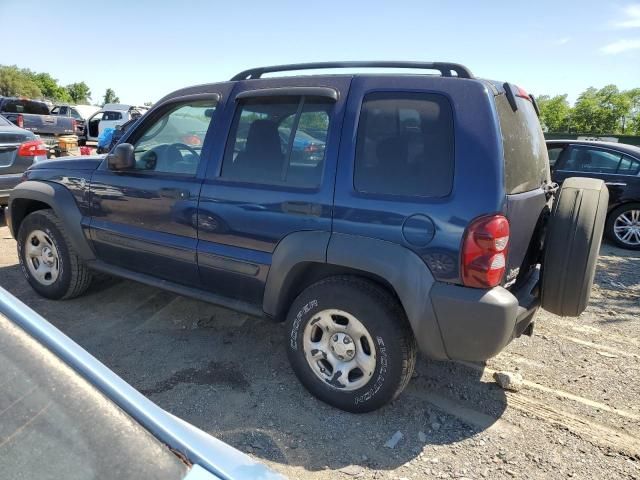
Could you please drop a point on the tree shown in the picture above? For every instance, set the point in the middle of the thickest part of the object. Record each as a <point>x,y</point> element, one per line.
<point>110,96</point>
<point>49,86</point>
<point>554,112</point>
<point>15,82</point>
<point>600,111</point>
<point>79,92</point>
<point>632,121</point>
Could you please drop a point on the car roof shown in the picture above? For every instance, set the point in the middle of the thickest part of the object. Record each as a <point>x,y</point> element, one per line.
<point>621,147</point>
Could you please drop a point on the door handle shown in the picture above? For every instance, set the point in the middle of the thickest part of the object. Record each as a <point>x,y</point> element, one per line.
<point>616,184</point>
<point>302,208</point>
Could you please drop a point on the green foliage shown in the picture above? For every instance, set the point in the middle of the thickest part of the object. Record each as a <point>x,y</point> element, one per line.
<point>49,87</point>
<point>110,96</point>
<point>17,82</point>
<point>79,92</point>
<point>596,111</point>
<point>554,112</point>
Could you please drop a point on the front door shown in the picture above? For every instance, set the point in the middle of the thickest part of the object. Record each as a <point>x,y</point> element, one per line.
<point>145,219</point>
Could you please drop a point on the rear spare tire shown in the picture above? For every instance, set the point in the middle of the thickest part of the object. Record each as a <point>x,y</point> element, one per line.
<point>572,245</point>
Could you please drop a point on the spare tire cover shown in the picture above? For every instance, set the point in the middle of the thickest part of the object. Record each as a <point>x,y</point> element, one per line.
<point>571,248</point>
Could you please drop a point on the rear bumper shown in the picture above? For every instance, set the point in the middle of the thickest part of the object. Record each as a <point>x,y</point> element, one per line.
<point>477,324</point>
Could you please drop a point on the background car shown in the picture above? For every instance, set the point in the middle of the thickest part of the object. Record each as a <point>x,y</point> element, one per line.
<point>19,149</point>
<point>618,164</point>
<point>111,116</point>
<point>78,112</point>
<point>66,415</point>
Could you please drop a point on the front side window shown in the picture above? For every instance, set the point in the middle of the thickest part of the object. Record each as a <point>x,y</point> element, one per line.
<point>405,145</point>
<point>590,160</point>
<point>278,141</point>
<point>75,114</point>
<point>173,143</point>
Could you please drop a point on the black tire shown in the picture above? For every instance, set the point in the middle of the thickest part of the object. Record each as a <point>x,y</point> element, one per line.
<point>611,220</point>
<point>572,245</point>
<point>73,276</point>
<point>385,321</point>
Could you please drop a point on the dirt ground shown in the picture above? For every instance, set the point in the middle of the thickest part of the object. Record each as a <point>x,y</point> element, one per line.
<point>578,414</point>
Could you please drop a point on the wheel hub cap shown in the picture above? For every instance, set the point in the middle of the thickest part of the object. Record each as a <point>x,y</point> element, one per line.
<point>342,346</point>
<point>339,349</point>
<point>41,257</point>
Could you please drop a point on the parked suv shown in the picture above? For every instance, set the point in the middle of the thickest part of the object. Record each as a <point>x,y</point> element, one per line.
<point>426,220</point>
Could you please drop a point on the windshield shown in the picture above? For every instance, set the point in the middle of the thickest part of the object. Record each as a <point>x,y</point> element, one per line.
<point>53,424</point>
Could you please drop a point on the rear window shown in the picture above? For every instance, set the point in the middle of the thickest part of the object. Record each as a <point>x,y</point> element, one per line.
<point>525,152</point>
<point>25,106</point>
<point>405,145</point>
<point>112,116</point>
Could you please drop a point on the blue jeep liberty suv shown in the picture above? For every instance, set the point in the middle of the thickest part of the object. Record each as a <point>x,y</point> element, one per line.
<point>377,214</point>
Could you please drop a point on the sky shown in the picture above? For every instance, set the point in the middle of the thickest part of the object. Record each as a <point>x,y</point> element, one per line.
<point>146,49</point>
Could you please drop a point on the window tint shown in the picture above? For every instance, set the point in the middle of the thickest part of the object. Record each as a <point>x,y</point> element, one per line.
<point>405,145</point>
<point>112,116</point>
<point>278,140</point>
<point>25,106</point>
<point>582,159</point>
<point>554,154</point>
<point>173,143</point>
<point>629,166</point>
<point>63,111</point>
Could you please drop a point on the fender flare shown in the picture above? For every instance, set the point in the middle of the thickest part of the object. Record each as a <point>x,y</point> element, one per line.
<point>404,270</point>
<point>62,202</point>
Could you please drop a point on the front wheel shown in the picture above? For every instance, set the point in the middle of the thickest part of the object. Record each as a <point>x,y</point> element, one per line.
<point>350,344</point>
<point>623,226</point>
<point>47,258</point>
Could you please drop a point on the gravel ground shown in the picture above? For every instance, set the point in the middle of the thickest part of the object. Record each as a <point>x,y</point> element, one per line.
<point>577,415</point>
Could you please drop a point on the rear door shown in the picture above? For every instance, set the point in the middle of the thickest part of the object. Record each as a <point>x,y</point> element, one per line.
<point>271,175</point>
<point>526,174</point>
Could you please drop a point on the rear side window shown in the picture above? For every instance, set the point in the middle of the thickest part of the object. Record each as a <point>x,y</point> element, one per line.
<point>526,162</point>
<point>278,141</point>
<point>405,145</point>
<point>25,106</point>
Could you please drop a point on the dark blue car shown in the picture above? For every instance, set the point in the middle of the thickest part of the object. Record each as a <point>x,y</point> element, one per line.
<point>377,215</point>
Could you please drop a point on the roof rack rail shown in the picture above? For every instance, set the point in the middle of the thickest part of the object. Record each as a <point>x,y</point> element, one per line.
<point>445,68</point>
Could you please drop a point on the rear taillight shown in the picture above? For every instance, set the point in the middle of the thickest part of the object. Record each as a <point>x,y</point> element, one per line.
<point>484,251</point>
<point>20,121</point>
<point>32,148</point>
<point>73,125</point>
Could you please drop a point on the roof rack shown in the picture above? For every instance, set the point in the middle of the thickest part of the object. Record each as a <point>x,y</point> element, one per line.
<point>445,68</point>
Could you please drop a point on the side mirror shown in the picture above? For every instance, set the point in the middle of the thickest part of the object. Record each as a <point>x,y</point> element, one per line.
<point>122,158</point>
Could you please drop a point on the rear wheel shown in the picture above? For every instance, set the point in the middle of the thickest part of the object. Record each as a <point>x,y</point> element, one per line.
<point>623,226</point>
<point>572,245</point>
<point>47,258</point>
<point>350,344</point>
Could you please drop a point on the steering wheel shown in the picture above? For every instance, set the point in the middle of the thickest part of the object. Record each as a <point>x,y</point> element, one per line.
<point>184,146</point>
